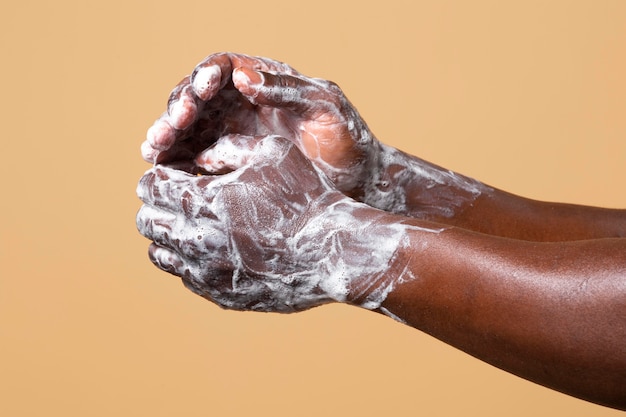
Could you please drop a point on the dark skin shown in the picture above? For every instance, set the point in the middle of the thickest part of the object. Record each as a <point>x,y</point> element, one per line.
<point>553,313</point>
<point>507,215</point>
<point>535,288</point>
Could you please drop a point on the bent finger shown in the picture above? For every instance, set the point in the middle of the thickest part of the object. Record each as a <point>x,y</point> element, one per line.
<point>164,187</point>
<point>211,75</point>
<point>182,105</point>
<point>167,260</point>
<point>156,225</point>
<point>178,192</point>
<point>261,64</point>
<point>160,136</point>
<point>187,238</point>
<point>171,127</point>
<point>307,97</point>
<point>214,72</point>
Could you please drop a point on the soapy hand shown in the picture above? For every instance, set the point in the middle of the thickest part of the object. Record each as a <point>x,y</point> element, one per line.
<point>238,94</point>
<point>263,229</point>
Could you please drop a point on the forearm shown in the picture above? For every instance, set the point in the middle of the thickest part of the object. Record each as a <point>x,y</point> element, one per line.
<point>551,313</point>
<point>503,214</point>
<point>407,185</point>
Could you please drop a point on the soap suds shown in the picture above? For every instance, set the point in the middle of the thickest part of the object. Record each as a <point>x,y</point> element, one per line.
<point>273,235</point>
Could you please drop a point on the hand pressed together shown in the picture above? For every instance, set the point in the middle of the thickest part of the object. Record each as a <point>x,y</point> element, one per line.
<point>269,193</point>
<point>232,235</point>
<point>263,229</point>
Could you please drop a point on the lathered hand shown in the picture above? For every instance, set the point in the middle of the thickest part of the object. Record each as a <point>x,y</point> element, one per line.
<point>264,229</point>
<point>238,94</point>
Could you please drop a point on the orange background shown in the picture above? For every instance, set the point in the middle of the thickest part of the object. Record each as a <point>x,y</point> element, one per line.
<point>528,96</point>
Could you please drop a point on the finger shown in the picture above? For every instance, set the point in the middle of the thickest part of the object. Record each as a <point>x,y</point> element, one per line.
<point>229,153</point>
<point>214,72</point>
<point>165,229</point>
<point>211,75</point>
<point>166,260</point>
<point>182,111</point>
<point>161,135</point>
<point>182,105</point>
<point>198,238</point>
<point>148,153</point>
<point>261,64</point>
<point>232,152</point>
<point>164,188</point>
<point>178,192</point>
<point>302,96</point>
<point>156,225</point>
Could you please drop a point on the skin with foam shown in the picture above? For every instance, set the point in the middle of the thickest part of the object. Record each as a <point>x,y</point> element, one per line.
<point>314,245</point>
<point>462,287</point>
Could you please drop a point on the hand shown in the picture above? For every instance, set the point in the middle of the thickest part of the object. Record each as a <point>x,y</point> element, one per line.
<point>238,94</point>
<point>265,231</point>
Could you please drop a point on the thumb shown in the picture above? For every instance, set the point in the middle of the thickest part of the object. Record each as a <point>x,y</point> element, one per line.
<point>232,152</point>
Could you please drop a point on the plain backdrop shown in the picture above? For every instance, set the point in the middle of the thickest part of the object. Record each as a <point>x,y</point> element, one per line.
<point>528,96</point>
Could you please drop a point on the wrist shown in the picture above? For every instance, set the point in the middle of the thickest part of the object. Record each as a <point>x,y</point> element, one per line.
<point>386,187</point>
<point>404,184</point>
<point>364,251</point>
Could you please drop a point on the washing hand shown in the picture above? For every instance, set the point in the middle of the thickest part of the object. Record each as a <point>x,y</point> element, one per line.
<point>264,229</point>
<point>237,94</point>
